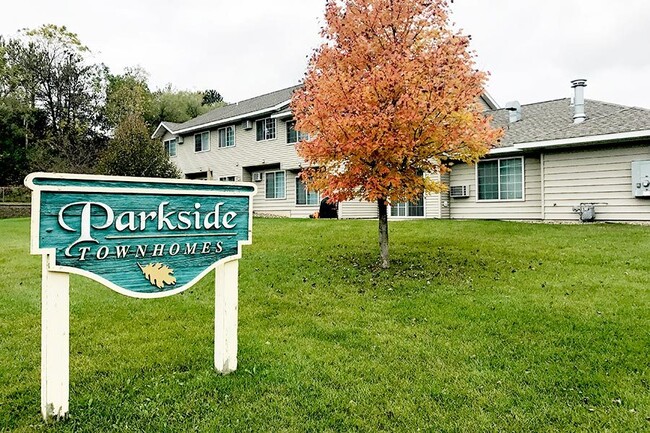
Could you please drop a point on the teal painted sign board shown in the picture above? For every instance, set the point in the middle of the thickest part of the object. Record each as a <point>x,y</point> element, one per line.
<point>142,237</point>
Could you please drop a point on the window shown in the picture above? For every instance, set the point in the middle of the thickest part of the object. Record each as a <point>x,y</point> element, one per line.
<point>202,142</point>
<point>170,147</point>
<point>413,209</point>
<point>501,179</point>
<point>265,129</point>
<point>304,196</point>
<point>226,136</point>
<point>227,178</point>
<point>294,136</point>
<point>199,175</point>
<point>275,184</point>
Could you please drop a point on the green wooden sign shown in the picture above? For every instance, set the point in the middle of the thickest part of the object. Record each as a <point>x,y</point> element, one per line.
<point>140,237</point>
<point>144,238</point>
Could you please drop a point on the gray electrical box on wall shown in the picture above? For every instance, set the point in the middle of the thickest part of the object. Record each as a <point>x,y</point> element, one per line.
<point>641,178</point>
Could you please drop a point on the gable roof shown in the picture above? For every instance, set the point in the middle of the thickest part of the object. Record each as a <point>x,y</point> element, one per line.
<point>552,121</point>
<point>277,101</point>
<point>165,126</point>
<point>233,112</point>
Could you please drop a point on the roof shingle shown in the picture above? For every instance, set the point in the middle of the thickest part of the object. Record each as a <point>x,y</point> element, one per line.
<point>553,120</point>
<point>251,105</point>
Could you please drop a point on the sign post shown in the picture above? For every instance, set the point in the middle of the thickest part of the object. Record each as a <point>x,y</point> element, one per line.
<point>55,342</point>
<point>143,238</point>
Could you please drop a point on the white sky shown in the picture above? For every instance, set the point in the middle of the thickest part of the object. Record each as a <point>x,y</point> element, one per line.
<point>244,48</point>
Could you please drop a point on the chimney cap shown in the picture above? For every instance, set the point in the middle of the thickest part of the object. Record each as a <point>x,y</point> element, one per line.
<point>582,82</point>
<point>514,111</point>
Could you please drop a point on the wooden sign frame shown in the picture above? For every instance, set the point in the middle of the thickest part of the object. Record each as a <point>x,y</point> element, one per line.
<point>57,201</point>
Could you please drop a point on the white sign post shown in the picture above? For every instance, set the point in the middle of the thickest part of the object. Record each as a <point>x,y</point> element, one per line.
<point>225,316</point>
<point>55,343</point>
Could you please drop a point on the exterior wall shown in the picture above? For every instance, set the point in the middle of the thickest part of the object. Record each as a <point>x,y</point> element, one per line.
<point>282,207</point>
<point>566,176</point>
<point>243,159</point>
<point>530,208</point>
<point>357,209</point>
<point>433,202</point>
<point>248,156</point>
<point>445,209</point>
<point>247,152</point>
<point>594,175</point>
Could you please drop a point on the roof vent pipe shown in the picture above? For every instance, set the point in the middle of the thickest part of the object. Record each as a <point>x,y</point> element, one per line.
<point>514,111</point>
<point>578,86</point>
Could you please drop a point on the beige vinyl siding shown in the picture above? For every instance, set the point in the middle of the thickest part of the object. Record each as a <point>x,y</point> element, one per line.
<point>432,206</point>
<point>246,157</point>
<point>530,208</point>
<point>594,175</point>
<point>247,152</point>
<point>357,209</point>
<point>484,105</point>
<point>444,198</point>
<point>281,207</point>
<point>433,202</point>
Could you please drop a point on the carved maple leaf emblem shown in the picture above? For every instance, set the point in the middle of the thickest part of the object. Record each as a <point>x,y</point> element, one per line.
<point>158,274</point>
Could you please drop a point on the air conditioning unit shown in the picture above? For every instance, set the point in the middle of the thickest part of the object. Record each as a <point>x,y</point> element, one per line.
<point>257,176</point>
<point>459,191</point>
<point>247,124</point>
<point>179,139</point>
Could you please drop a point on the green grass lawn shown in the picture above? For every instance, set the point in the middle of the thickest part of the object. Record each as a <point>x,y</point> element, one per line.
<point>477,327</point>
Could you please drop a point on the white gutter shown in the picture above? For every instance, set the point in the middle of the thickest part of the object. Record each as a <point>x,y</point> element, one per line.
<point>282,115</point>
<point>500,150</point>
<point>565,142</point>
<point>233,119</point>
<point>153,136</point>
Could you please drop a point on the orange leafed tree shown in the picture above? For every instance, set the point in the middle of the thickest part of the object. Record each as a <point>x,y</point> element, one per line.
<point>390,95</point>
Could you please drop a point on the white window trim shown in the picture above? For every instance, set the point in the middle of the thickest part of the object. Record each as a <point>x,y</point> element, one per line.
<point>306,204</point>
<point>523,184</point>
<point>234,137</point>
<point>276,129</point>
<point>175,147</point>
<point>298,132</point>
<point>224,178</point>
<point>209,138</point>
<point>285,184</point>
<point>424,211</point>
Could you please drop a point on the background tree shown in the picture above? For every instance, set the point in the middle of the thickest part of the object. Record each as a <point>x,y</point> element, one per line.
<point>58,108</point>
<point>127,94</point>
<point>48,70</point>
<point>212,98</point>
<point>390,95</point>
<point>178,106</point>
<point>132,152</point>
<point>14,164</point>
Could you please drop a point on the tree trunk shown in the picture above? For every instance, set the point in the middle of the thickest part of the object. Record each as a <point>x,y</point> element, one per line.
<point>383,232</point>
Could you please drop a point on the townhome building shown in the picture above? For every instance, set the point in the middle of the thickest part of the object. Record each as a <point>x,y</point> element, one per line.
<point>249,141</point>
<point>566,159</point>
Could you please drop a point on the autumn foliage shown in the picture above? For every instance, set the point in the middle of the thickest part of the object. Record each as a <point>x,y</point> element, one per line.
<point>391,94</point>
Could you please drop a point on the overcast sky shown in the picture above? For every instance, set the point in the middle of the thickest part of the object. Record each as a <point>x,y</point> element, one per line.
<point>244,48</point>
